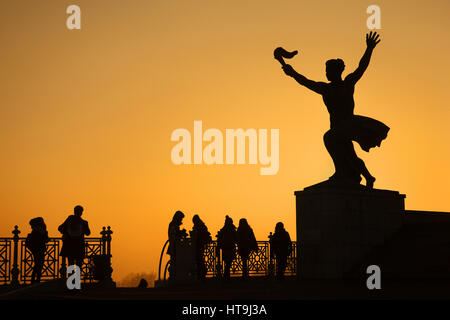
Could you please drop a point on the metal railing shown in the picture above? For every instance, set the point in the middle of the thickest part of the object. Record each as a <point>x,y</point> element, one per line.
<point>16,261</point>
<point>260,263</point>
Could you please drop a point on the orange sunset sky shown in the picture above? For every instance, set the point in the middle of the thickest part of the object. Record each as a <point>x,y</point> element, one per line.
<point>86,115</point>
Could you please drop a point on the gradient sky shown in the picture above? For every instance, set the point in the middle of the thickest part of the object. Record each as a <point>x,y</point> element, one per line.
<point>86,115</point>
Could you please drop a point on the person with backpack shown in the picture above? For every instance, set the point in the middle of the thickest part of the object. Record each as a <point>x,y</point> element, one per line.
<point>200,237</point>
<point>281,246</point>
<point>73,230</point>
<point>36,242</point>
<point>226,240</point>
<point>246,242</point>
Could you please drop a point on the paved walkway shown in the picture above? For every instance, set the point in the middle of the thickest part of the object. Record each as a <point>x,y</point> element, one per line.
<point>251,289</point>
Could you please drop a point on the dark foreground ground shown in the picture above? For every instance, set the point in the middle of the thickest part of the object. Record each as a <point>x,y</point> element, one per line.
<point>238,289</point>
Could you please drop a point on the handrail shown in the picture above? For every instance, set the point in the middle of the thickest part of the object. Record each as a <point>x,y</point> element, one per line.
<point>160,259</point>
<point>16,259</point>
<point>165,269</point>
<point>262,260</point>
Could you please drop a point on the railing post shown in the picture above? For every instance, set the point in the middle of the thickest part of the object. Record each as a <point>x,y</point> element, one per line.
<point>218,260</point>
<point>108,241</point>
<point>104,238</point>
<point>271,264</point>
<point>15,267</point>
<point>107,236</point>
<point>63,269</point>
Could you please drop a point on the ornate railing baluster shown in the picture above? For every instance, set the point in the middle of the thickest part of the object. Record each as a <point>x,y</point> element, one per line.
<point>109,269</point>
<point>63,269</point>
<point>104,239</point>
<point>108,241</point>
<point>5,260</point>
<point>15,267</point>
<point>271,269</point>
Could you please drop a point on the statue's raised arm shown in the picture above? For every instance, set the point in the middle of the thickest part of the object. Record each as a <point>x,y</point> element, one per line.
<point>281,53</point>
<point>372,39</point>
<point>315,86</point>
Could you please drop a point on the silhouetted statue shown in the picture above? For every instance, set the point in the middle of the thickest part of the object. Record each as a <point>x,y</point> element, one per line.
<point>226,240</point>
<point>200,237</point>
<point>345,126</point>
<point>281,248</point>
<point>73,231</point>
<point>246,242</point>
<point>175,236</point>
<point>36,242</point>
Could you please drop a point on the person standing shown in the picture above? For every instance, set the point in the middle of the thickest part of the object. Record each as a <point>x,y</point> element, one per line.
<point>226,240</point>
<point>281,245</point>
<point>36,242</point>
<point>73,231</point>
<point>175,236</point>
<point>247,243</point>
<point>200,237</point>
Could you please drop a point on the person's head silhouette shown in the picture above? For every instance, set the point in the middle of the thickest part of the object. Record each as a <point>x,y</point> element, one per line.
<point>37,223</point>
<point>228,221</point>
<point>78,211</point>
<point>279,227</point>
<point>196,219</point>
<point>243,223</point>
<point>178,217</point>
<point>334,69</point>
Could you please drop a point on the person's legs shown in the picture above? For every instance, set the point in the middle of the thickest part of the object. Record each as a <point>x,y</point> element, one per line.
<point>201,268</point>
<point>278,260</point>
<point>171,268</point>
<point>75,261</point>
<point>283,266</point>
<point>39,264</point>
<point>79,263</point>
<point>244,266</point>
<point>34,272</point>
<point>226,273</point>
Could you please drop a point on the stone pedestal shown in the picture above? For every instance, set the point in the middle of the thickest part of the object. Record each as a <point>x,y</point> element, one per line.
<point>338,225</point>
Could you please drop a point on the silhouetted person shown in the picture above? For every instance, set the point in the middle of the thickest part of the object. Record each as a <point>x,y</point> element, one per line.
<point>246,242</point>
<point>281,248</point>
<point>200,237</point>
<point>143,284</point>
<point>36,242</point>
<point>226,240</point>
<point>175,236</point>
<point>73,231</point>
<point>344,125</point>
